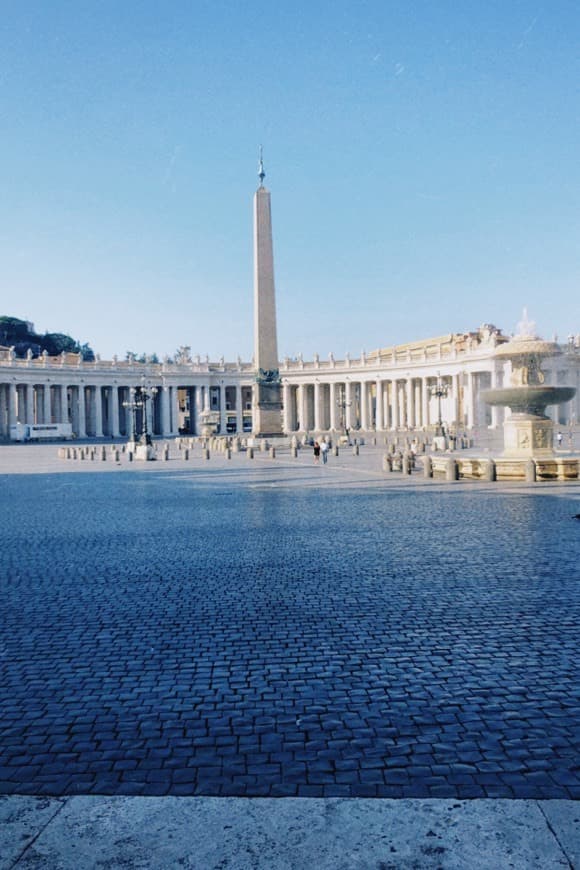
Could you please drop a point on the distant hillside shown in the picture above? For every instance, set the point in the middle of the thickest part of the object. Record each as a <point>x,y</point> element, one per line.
<point>20,335</point>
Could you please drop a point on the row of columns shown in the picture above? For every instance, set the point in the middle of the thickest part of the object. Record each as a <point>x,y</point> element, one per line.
<point>93,410</point>
<point>384,404</point>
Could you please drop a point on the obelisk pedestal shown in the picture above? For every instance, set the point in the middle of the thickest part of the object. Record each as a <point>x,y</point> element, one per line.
<point>267,392</point>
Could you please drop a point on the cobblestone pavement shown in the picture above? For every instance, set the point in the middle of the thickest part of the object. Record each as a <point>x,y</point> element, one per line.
<point>186,634</point>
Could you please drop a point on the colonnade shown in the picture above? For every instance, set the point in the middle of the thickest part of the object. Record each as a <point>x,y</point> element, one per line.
<point>383,404</point>
<point>93,410</point>
<point>320,396</point>
<point>105,410</point>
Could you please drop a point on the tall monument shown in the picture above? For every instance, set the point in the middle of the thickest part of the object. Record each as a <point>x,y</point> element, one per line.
<point>267,404</point>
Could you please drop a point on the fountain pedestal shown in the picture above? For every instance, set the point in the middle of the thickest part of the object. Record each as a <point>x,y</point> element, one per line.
<point>528,435</point>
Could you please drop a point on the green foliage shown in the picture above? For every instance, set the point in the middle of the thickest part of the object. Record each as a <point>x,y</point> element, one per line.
<point>20,335</point>
<point>13,330</point>
<point>58,342</point>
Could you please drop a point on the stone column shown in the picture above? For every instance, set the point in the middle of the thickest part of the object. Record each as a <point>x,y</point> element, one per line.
<point>62,404</point>
<point>333,407</point>
<point>410,404</point>
<point>424,403</point>
<point>317,415</point>
<point>82,412</point>
<point>174,401</point>
<point>240,410</point>
<point>302,421</point>
<point>4,409</point>
<point>364,406</point>
<point>30,403</point>
<point>223,416</point>
<point>165,412</point>
<point>98,412</point>
<point>12,409</point>
<point>114,411</point>
<point>46,410</point>
<point>469,409</point>
<point>379,406</point>
<point>150,416</point>
<point>456,387</point>
<point>286,409</point>
<point>395,404</point>
<point>348,401</point>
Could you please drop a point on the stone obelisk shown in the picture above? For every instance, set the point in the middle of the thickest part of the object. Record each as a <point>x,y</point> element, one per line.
<point>267,404</point>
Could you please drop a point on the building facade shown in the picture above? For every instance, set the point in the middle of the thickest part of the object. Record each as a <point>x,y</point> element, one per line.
<point>389,390</point>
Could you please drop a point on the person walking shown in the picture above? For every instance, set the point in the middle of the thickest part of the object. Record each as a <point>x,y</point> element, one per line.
<point>324,452</point>
<point>559,438</point>
<point>316,451</point>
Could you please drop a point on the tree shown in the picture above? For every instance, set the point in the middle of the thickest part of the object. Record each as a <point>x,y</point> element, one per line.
<point>14,330</point>
<point>20,335</point>
<point>56,343</point>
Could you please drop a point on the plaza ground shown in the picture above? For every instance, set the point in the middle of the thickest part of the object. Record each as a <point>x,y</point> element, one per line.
<point>193,632</point>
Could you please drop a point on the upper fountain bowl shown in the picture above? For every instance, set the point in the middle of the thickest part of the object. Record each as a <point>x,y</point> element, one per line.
<point>532,399</point>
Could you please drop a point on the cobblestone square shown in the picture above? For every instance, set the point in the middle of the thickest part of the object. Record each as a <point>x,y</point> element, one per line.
<point>224,633</point>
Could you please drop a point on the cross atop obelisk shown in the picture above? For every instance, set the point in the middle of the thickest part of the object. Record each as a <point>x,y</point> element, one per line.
<point>267,405</point>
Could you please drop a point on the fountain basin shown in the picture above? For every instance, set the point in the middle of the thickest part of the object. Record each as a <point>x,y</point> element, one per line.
<point>528,400</point>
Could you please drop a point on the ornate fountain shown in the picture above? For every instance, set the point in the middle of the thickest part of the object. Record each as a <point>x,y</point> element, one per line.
<point>528,431</point>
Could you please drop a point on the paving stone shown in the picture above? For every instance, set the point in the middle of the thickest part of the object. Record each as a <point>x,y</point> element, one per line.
<point>162,634</point>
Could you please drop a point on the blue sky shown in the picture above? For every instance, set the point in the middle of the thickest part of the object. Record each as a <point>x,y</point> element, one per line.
<point>422,159</point>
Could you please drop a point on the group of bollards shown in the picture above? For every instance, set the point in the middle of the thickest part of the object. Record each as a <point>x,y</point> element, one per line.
<point>185,449</point>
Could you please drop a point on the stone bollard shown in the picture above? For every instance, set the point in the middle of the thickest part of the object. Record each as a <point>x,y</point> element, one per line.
<point>104,453</point>
<point>206,453</point>
<point>530,471</point>
<point>335,450</point>
<point>229,453</point>
<point>250,452</point>
<point>272,453</point>
<point>406,464</point>
<point>451,470</point>
<point>355,450</point>
<point>489,470</point>
<point>427,467</point>
<point>185,451</point>
<point>294,452</point>
<point>387,463</point>
<point>165,453</point>
<point>374,442</point>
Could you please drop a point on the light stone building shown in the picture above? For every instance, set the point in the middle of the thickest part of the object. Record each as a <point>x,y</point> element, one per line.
<point>385,391</point>
<point>389,390</point>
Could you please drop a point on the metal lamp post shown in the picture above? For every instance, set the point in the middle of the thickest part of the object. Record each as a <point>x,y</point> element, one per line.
<point>439,391</point>
<point>138,398</point>
<point>342,405</point>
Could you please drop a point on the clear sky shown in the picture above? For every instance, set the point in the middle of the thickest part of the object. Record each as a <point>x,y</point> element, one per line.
<point>423,159</point>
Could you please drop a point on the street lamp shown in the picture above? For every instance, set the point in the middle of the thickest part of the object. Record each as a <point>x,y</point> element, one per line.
<point>138,398</point>
<point>342,405</point>
<point>439,391</point>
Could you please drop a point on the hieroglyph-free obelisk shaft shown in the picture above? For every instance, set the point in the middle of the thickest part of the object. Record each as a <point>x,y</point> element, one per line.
<point>267,404</point>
